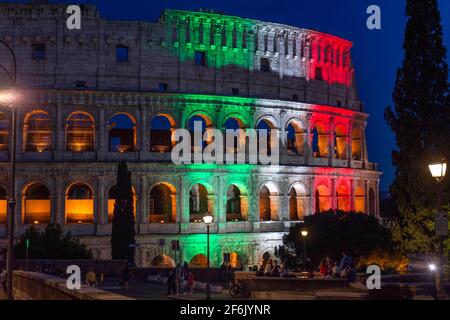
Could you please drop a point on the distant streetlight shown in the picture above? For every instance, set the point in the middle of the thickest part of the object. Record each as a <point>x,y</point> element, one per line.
<point>438,170</point>
<point>207,219</point>
<point>8,98</point>
<point>304,234</point>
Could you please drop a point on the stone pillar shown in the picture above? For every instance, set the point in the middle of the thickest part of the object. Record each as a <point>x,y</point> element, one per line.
<point>102,144</point>
<point>184,201</point>
<point>102,201</point>
<point>349,144</point>
<point>308,144</point>
<point>331,142</point>
<point>144,215</point>
<point>352,195</point>
<point>58,201</point>
<point>333,194</point>
<point>60,128</point>
<point>145,130</point>
<point>366,192</point>
<point>211,208</point>
<point>311,196</point>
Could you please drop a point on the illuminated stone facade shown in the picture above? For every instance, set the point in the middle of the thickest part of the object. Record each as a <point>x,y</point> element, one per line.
<point>91,97</point>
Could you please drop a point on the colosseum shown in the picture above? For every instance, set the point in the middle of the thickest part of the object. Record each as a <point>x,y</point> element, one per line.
<point>116,90</point>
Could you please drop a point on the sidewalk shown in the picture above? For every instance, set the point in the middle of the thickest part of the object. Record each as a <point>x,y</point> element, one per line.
<point>200,296</point>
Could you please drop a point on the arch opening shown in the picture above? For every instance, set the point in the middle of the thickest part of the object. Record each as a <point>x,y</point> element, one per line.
<point>163,261</point>
<point>323,201</point>
<point>237,203</point>
<point>340,142</point>
<point>297,202</point>
<point>264,128</point>
<point>360,204</point>
<point>295,138</point>
<point>198,261</point>
<point>356,145</point>
<point>122,133</point>
<point>79,204</point>
<point>80,132</point>
<point>268,202</point>
<point>37,205</point>
<point>200,203</point>
<point>161,128</point>
<point>343,198</point>
<point>162,204</point>
<point>37,131</point>
<point>319,141</point>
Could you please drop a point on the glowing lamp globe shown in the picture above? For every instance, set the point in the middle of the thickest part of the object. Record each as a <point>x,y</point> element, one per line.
<point>304,233</point>
<point>438,170</point>
<point>208,219</point>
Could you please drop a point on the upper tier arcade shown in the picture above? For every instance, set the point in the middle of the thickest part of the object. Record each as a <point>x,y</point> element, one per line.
<point>183,52</point>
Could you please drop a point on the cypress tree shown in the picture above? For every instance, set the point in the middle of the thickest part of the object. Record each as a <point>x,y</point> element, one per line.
<point>123,220</point>
<point>420,121</point>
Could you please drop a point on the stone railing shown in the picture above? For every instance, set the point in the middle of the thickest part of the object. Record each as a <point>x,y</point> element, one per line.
<point>38,286</point>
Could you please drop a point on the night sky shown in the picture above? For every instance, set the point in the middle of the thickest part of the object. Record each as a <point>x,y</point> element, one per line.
<point>376,53</point>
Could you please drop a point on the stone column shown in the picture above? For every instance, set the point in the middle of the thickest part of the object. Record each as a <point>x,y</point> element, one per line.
<point>184,201</point>
<point>333,194</point>
<point>102,215</point>
<point>102,143</point>
<point>366,192</point>
<point>58,201</point>
<point>144,216</point>
<point>145,130</point>
<point>211,205</point>
<point>331,144</point>
<point>349,144</point>
<point>352,195</point>
<point>311,196</point>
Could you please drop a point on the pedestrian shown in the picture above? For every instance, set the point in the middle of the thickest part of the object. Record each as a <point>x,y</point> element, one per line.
<point>102,278</point>
<point>351,274</point>
<point>269,268</point>
<point>4,279</point>
<point>336,271</point>
<point>323,268</point>
<point>276,270</point>
<point>190,283</point>
<point>346,260</point>
<point>91,278</point>
<point>171,283</point>
<point>125,277</point>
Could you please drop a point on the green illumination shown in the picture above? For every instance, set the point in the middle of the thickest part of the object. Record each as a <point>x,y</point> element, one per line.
<point>221,39</point>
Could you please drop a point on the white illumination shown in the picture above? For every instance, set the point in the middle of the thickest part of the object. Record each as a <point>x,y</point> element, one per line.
<point>8,96</point>
<point>208,219</point>
<point>432,267</point>
<point>438,170</point>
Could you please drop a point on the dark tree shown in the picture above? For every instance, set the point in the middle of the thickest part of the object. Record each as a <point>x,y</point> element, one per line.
<point>122,237</point>
<point>50,244</point>
<point>420,120</point>
<point>331,233</point>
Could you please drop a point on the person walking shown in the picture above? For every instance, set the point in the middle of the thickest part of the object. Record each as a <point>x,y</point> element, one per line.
<point>346,261</point>
<point>91,278</point>
<point>171,284</point>
<point>4,277</point>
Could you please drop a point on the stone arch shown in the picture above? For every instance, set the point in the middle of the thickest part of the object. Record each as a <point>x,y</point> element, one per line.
<point>37,131</point>
<point>198,260</point>
<point>36,204</point>
<point>269,201</point>
<point>296,134</point>
<point>122,133</point>
<point>340,141</point>
<point>297,201</point>
<point>236,202</point>
<point>201,201</point>
<point>322,198</point>
<point>343,197</point>
<point>163,260</point>
<point>357,144</point>
<point>162,203</point>
<point>360,200</point>
<point>243,123</point>
<point>80,132</point>
<point>319,139</point>
<point>206,124</point>
<point>162,126</point>
<point>79,205</point>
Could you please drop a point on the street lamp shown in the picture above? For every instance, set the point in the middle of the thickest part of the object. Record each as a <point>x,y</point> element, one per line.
<point>438,170</point>
<point>304,234</point>
<point>207,219</point>
<point>9,98</point>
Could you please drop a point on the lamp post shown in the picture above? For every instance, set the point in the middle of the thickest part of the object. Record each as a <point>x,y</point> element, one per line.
<point>208,219</point>
<point>8,99</point>
<point>438,170</point>
<point>304,234</point>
